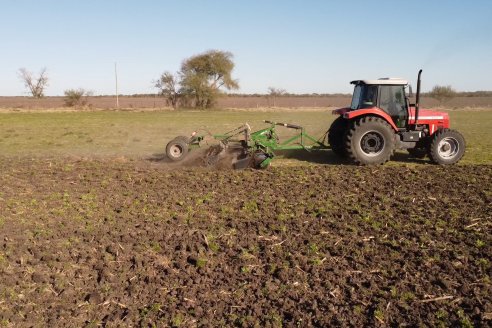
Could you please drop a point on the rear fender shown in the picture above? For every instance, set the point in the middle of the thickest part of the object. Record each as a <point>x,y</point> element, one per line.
<point>373,111</point>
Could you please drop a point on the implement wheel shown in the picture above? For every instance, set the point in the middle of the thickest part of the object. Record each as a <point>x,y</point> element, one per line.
<point>370,141</point>
<point>177,149</point>
<point>447,147</point>
<point>336,135</point>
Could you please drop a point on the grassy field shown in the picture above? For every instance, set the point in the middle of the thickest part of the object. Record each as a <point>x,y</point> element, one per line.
<point>95,233</point>
<point>145,134</point>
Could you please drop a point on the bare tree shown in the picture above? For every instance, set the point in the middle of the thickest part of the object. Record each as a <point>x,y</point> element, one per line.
<point>168,87</point>
<point>274,93</point>
<point>35,85</point>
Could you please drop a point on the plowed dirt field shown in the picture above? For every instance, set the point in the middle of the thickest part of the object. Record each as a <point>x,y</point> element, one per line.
<point>102,242</point>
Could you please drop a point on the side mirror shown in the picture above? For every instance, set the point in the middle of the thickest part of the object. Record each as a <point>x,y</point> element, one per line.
<point>410,92</point>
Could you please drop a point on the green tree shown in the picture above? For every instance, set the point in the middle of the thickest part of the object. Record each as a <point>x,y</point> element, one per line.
<point>442,93</point>
<point>168,85</point>
<point>204,76</point>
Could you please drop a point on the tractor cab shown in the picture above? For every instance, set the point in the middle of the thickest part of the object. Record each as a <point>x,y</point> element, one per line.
<point>387,94</point>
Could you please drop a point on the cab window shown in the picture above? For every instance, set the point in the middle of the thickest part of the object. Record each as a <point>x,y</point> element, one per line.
<point>392,101</point>
<point>365,96</point>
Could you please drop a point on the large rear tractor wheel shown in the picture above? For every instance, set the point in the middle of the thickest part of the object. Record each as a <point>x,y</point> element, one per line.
<point>370,141</point>
<point>177,149</point>
<point>336,135</point>
<point>447,147</point>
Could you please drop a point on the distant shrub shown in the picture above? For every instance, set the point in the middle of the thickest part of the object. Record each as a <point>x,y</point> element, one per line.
<point>442,93</point>
<point>76,97</point>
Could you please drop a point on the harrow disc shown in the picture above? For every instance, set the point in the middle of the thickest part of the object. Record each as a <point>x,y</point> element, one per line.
<point>213,154</point>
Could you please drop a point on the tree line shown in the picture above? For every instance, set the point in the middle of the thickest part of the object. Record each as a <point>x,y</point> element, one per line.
<point>199,82</point>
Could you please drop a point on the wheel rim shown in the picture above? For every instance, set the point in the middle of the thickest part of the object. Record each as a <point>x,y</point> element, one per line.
<point>372,143</point>
<point>176,151</point>
<point>448,147</point>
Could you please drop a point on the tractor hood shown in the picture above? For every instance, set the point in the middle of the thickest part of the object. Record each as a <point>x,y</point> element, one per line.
<point>429,117</point>
<point>428,114</point>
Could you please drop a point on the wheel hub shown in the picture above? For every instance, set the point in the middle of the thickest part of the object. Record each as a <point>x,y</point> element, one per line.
<point>176,150</point>
<point>448,147</point>
<point>372,143</point>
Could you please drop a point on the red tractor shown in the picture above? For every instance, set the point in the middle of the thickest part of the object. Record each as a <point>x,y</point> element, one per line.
<point>381,120</point>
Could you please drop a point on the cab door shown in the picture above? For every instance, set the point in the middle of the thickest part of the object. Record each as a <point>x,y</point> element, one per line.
<point>392,101</point>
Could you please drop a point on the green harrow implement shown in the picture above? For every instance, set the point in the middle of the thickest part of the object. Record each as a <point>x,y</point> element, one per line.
<point>250,149</point>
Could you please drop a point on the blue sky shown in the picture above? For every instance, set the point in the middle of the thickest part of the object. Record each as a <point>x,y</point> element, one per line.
<point>301,46</point>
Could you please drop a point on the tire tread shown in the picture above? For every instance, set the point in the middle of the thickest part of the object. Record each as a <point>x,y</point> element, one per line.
<point>356,125</point>
<point>433,149</point>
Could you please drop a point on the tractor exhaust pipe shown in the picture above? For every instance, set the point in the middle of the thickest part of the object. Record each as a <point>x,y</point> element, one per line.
<point>417,99</point>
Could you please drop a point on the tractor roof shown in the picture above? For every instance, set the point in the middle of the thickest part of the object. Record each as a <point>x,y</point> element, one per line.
<point>382,81</point>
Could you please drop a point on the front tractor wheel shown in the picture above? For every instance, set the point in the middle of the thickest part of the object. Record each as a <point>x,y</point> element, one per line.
<point>447,147</point>
<point>177,148</point>
<point>370,141</point>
